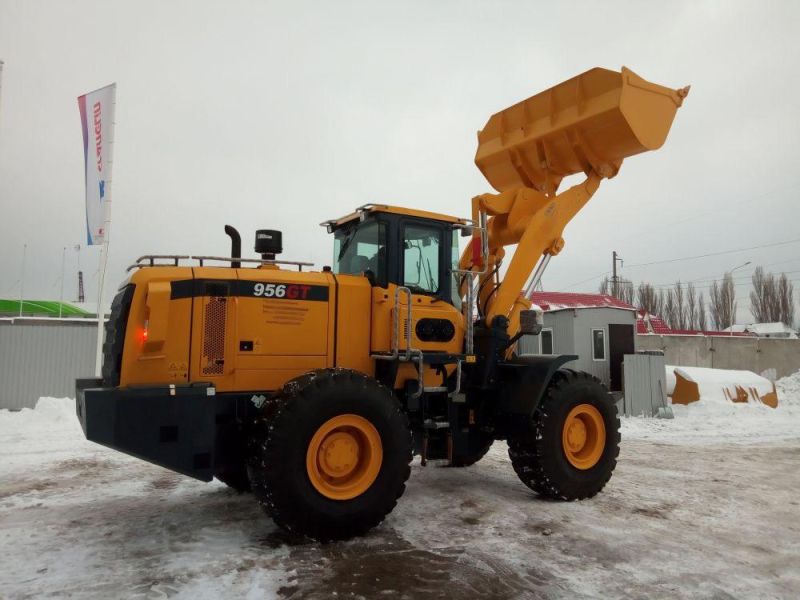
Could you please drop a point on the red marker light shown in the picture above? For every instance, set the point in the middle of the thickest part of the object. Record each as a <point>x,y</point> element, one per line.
<point>477,252</point>
<point>144,332</point>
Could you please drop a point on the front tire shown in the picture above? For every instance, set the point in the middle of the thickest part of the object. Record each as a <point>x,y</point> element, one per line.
<point>334,456</point>
<point>571,446</point>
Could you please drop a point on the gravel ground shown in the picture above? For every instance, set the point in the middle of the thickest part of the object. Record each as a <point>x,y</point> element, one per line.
<point>685,515</point>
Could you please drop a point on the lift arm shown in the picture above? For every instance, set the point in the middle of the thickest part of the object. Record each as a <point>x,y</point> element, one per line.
<point>588,124</point>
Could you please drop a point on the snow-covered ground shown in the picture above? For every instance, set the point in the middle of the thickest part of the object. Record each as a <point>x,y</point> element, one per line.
<point>704,505</point>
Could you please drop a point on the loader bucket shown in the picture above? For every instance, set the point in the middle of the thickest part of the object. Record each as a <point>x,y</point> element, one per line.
<point>694,383</point>
<point>588,123</point>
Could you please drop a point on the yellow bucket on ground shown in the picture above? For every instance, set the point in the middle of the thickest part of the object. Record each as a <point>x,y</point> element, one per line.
<point>692,383</point>
<point>588,123</point>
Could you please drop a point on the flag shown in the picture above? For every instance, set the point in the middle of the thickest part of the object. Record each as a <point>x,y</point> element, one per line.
<point>97,121</point>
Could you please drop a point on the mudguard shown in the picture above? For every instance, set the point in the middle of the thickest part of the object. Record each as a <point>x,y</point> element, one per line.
<point>525,381</point>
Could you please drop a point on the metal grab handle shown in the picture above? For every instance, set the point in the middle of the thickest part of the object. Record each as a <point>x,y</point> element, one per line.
<point>409,351</point>
<point>470,274</point>
<point>396,325</point>
<point>175,258</point>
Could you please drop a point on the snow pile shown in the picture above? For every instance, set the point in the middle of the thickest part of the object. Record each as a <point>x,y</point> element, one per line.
<point>670,380</point>
<point>789,390</point>
<point>714,418</point>
<point>53,425</point>
<point>49,414</point>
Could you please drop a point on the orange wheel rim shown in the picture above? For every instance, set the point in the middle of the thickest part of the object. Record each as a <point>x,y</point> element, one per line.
<point>584,436</point>
<point>344,457</point>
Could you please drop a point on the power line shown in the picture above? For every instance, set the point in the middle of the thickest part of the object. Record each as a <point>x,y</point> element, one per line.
<point>743,277</point>
<point>604,273</point>
<point>727,207</point>
<point>707,286</point>
<point>672,260</point>
<point>584,281</point>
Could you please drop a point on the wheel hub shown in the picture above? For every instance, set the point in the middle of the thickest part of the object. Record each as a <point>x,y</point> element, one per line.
<point>576,435</point>
<point>583,436</point>
<point>344,457</point>
<point>338,454</point>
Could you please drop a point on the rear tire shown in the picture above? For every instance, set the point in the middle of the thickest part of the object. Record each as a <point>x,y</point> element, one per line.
<point>235,478</point>
<point>286,476</point>
<point>542,456</point>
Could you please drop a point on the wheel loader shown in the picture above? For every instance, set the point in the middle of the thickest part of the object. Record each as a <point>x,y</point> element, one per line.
<point>315,389</point>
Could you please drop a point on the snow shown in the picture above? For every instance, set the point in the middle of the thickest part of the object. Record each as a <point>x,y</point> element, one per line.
<point>704,505</point>
<point>554,301</point>
<point>779,330</point>
<point>670,380</point>
<point>714,418</point>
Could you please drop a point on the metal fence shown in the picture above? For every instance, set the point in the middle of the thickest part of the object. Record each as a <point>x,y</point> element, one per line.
<point>645,385</point>
<point>43,357</point>
<point>723,352</point>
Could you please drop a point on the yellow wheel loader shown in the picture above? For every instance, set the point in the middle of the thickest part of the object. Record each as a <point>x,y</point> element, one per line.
<point>315,389</point>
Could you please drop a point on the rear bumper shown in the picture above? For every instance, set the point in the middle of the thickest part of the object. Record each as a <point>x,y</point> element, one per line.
<point>188,428</point>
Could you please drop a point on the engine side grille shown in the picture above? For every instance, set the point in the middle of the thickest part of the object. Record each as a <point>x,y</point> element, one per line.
<point>214,319</point>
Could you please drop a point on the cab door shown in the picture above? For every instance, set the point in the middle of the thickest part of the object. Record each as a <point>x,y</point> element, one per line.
<point>425,269</point>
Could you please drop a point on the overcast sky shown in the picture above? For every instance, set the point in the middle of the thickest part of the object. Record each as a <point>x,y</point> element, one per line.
<point>281,115</point>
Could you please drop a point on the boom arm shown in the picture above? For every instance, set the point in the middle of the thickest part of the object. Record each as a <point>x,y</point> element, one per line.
<point>529,218</point>
<point>587,124</point>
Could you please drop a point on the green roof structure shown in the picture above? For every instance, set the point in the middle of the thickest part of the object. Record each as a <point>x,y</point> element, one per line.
<point>40,308</point>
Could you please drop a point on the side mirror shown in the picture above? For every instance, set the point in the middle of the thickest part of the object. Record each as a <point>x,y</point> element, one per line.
<point>529,323</point>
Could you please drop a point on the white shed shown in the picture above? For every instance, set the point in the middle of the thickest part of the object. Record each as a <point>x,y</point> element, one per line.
<point>598,328</point>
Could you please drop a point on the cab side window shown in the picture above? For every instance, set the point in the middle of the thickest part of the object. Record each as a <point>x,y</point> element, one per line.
<point>361,249</point>
<point>421,252</point>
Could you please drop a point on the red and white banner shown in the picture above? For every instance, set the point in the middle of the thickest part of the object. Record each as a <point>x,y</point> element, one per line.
<point>97,120</point>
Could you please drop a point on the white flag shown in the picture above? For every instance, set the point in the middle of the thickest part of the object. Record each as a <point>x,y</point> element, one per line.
<point>97,120</point>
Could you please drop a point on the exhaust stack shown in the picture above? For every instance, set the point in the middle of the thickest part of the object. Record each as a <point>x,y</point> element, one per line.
<point>236,245</point>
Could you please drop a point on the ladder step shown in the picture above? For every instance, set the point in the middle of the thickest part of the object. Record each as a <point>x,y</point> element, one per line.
<point>438,462</point>
<point>434,389</point>
<point>431,424</point>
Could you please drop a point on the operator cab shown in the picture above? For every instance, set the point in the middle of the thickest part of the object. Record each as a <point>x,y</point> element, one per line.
<point>391,245</point>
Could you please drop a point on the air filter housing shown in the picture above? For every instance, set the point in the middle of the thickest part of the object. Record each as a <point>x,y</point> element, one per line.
<point>269,242</point>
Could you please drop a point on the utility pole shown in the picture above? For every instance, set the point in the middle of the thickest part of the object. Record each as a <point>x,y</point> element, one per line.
<point>614,279</point>
<point>730,296</point>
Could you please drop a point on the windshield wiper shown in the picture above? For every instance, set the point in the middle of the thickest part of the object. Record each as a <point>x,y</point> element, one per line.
<point>346,243</point>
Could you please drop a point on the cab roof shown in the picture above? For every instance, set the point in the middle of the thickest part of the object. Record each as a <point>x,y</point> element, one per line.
<point>397,210</point>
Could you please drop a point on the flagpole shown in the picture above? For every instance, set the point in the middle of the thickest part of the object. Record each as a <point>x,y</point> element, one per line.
<point>61,295</point>
<point>1,78</point>
<point>98,361</point>
<point>22,279</point>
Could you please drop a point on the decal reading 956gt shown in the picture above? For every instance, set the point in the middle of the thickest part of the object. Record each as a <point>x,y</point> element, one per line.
<point>188,288</point>
<point>283,291</point>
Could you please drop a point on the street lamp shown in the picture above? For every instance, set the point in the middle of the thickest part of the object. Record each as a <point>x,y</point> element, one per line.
<point>730,305</point>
